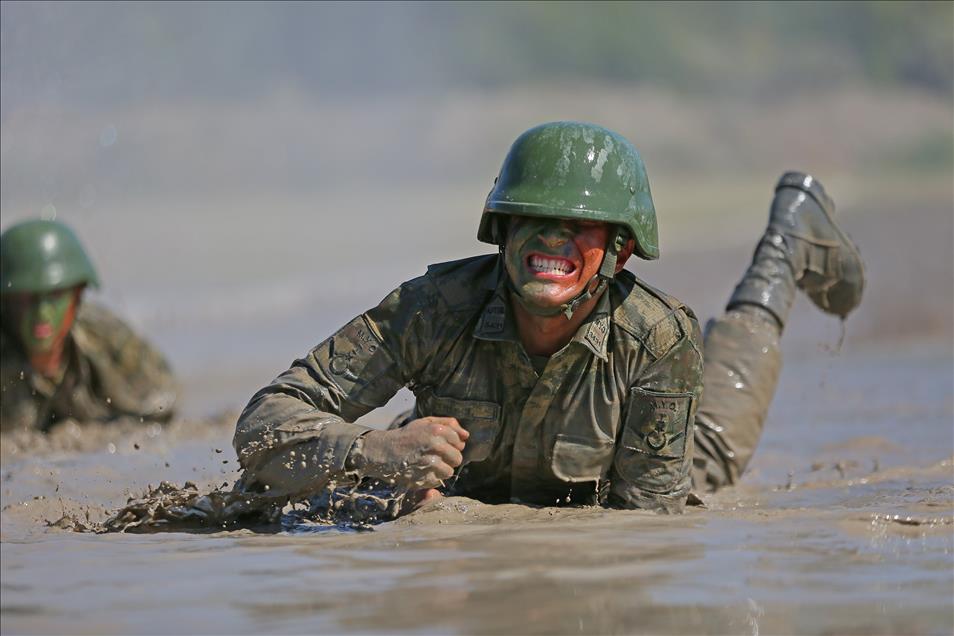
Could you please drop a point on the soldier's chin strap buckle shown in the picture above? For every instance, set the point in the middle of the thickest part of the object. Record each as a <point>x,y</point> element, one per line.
<point>572,306</point>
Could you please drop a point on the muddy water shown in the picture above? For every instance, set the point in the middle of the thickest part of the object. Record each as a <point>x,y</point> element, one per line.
<point>844,525</point>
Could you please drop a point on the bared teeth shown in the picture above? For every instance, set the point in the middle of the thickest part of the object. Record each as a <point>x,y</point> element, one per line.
<point>544,265</point>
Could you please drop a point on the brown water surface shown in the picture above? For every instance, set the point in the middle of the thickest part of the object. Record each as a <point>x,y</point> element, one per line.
<point>845,524</point>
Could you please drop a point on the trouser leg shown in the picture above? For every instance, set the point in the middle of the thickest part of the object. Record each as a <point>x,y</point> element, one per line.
<point>742,364</point>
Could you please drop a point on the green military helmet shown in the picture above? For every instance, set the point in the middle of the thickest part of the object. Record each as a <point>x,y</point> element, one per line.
<point>40,256</point>
<point>575,170</point>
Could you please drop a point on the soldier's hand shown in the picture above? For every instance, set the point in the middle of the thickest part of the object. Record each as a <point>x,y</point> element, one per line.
<point>419,455</point>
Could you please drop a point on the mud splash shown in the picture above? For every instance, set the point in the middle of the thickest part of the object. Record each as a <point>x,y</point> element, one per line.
<point>172,508</point>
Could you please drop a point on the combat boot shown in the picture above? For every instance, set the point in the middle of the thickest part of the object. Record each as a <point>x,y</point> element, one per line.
<point>804,247</point>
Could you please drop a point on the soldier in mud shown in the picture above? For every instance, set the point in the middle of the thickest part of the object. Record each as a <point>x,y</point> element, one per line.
<point>62,358</point>
<point>546,373</point>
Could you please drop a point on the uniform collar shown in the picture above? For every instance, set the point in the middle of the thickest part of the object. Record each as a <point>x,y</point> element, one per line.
<point>594,332</point>
<point>496,320</point>
<point>496,277</point>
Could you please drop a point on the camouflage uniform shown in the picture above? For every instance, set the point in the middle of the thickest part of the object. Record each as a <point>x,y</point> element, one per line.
<point>617,416</point>
<point>609,418</point>
<point>111,372</point>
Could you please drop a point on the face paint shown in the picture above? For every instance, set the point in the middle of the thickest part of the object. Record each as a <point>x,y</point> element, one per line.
<point>43,320</point>
<point>551,261</point>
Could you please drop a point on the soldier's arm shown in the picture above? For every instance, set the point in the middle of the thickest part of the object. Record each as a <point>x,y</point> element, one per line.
<point>296,433</point>
<point>653,457</point>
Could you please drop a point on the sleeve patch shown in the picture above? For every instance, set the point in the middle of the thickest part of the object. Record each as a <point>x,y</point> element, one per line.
<point>350,350</point>
<point>658,423</point>
<point>354,359</point>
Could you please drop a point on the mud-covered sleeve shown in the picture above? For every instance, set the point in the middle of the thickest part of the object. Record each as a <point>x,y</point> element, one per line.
<point>131,376</point>
<point>651,467</point>
<point>296,433</point>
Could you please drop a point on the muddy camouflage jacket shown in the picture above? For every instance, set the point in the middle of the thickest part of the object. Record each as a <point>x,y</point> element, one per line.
<point>111,373</point>
<point>609,420</point>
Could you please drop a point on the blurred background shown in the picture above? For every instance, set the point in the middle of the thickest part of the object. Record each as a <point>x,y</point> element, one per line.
<point>248,177</point>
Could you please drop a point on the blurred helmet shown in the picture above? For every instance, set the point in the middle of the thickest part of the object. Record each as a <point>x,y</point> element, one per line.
<point>574,170</point>
<point>39,256</point>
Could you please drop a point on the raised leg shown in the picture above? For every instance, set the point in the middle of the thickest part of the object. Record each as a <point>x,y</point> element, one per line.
<point>802,248</point>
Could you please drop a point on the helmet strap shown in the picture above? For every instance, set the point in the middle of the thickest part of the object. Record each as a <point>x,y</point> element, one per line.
<point>498,230</point>
<point>614,245</point>
<point>569,308</point>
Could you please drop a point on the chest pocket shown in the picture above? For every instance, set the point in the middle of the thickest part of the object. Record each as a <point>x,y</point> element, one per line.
<point>577,458</point>
<point>480,419</point>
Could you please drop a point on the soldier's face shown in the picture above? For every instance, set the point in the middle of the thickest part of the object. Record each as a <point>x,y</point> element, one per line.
<point>42,320</point>
<point>550,261</point>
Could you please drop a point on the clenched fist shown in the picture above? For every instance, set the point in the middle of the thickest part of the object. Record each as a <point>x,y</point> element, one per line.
<point>419,455</point>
